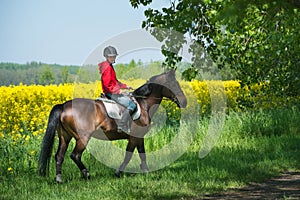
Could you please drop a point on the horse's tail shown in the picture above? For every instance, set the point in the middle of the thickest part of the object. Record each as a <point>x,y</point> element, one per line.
<point>48,141</point>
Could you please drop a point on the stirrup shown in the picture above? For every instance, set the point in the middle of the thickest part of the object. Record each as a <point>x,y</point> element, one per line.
<point>123,129</point>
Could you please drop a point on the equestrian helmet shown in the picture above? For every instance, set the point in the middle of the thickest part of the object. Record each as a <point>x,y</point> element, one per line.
<point>110,51</point>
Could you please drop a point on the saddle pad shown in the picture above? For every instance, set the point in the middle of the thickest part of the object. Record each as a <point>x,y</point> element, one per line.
<point>114,110</point>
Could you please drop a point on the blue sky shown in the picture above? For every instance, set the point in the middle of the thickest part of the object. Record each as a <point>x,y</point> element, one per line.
<point>63,31</point>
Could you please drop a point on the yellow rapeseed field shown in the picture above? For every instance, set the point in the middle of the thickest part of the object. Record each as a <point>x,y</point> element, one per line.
<point>24,109</point>
<point>27,107</point>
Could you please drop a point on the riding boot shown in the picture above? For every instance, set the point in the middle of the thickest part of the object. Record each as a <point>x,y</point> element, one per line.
<point>124,123</point>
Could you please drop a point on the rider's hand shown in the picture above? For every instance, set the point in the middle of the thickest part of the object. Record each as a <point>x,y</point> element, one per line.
<point>129,88</point>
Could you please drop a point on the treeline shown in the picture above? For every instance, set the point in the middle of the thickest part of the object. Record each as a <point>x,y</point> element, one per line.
<point>45,74</point>
<point>36,73</point>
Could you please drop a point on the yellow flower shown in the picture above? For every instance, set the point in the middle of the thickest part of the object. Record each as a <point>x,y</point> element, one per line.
<point>35,133</point>
<point>32,152</point>
<point>10,169</point>
<point>27,138</point>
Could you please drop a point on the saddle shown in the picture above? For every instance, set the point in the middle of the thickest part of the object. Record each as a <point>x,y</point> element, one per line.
<point>115,110</point>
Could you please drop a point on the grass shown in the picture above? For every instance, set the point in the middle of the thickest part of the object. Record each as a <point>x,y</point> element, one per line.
<point>245,152</point>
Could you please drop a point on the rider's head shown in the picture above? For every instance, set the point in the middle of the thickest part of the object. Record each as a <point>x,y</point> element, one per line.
<point>110,53</point>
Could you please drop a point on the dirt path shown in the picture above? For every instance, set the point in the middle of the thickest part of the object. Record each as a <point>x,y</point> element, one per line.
<point>286,186</point>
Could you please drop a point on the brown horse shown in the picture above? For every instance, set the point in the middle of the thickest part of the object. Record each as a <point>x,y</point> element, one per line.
<point>86,118</point>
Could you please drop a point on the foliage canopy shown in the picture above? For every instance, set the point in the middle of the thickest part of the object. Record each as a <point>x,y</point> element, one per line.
<point>258,40</point>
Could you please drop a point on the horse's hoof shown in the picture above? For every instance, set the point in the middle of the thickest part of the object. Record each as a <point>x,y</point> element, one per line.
<point>58,178</point>
<point>87,177</point>
<point>85,174</point>
<point>118,174</point>
<point>144,168</point>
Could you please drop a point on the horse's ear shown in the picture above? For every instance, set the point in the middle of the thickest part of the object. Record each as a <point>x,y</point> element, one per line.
<point>172,72</point>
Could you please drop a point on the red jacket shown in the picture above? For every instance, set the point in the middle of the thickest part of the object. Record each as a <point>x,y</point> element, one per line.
<point>110,84</point>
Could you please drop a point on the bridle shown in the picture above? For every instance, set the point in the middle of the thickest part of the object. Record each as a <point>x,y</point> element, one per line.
<point>172,98</point>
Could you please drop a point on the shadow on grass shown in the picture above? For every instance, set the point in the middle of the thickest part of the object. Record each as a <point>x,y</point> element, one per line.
<point>188,177</point>
<point>227,167</point>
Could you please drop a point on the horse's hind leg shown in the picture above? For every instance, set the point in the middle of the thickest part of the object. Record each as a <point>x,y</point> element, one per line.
<point>64,141</point>
<point>76,156</point>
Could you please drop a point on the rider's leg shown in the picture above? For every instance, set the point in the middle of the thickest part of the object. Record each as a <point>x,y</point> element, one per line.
<point>130,107</point>
<point>124,123</point>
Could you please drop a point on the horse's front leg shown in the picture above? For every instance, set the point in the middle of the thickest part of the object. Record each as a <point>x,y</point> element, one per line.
<point>142,154</point>
<point>128,155</point>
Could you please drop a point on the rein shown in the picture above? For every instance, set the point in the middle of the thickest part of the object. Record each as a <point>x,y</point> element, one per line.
<point>145,97</point>
<point>158,98</point>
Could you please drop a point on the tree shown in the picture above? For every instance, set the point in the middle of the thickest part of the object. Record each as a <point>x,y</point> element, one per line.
<point>262,44</point>
<point>47,76</point>
<point>127,71</point>
<point>258,39</point>
<point>65,74</point>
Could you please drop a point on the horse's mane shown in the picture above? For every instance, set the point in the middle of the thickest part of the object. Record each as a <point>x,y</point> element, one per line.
<point>144,90</point>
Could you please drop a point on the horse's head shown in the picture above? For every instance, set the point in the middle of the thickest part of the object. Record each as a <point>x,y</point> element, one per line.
<point>170,87</point>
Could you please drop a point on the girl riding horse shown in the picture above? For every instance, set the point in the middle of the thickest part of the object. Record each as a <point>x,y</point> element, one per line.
<point>85,118</point>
